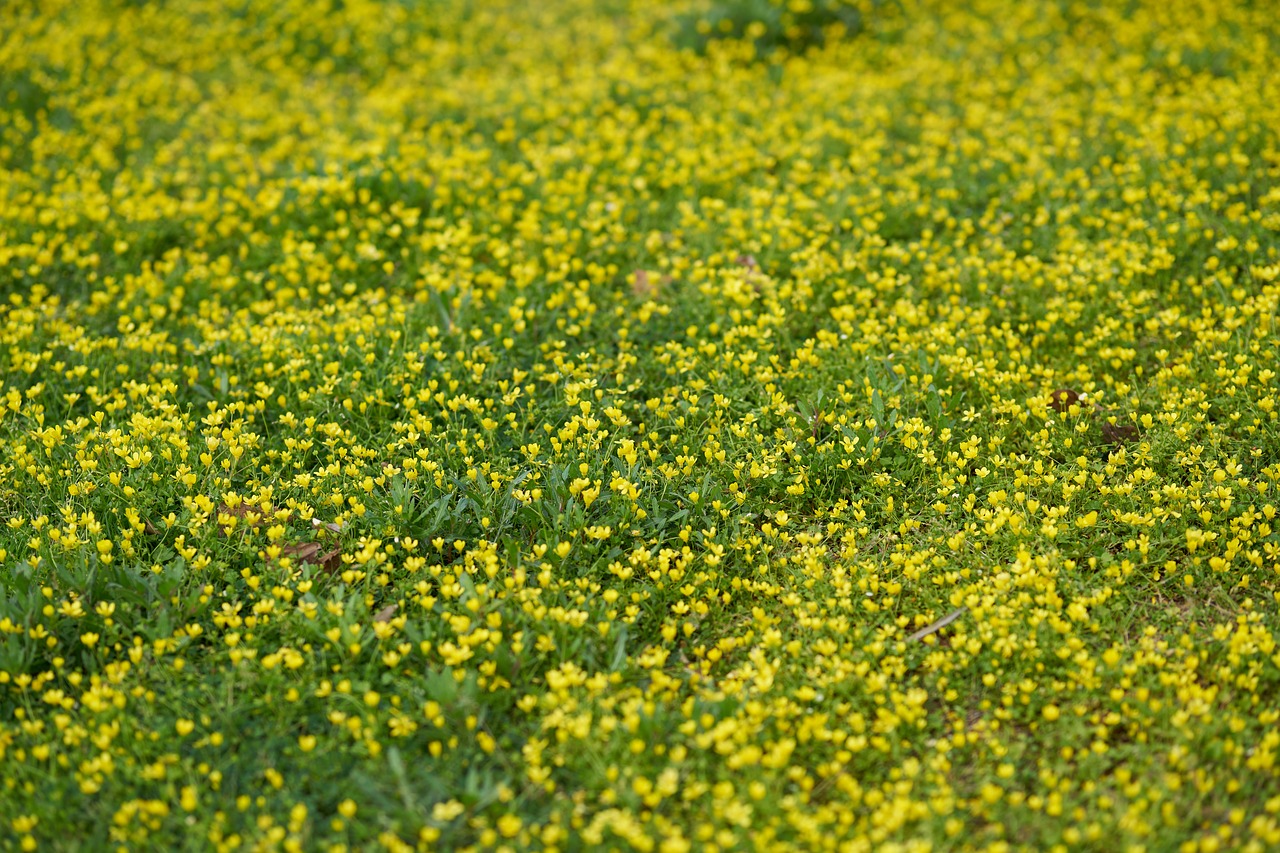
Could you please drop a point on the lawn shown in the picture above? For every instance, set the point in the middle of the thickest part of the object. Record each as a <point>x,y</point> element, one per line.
<point>479,424</point>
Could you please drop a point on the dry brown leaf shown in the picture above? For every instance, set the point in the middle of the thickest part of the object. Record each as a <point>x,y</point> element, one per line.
<point>314,554</point>
<point>385,614</point>
<point>332,526</point>
<point>331,561</point>
<point>938,625</point>
<point>246,509</point>
<point>642,284</point>
<point>303,552</point>
<point>252,514</point>
<point>648,285</point>
<point>1119,433</point>
<point>748,262</point>
<point>1063,399</point>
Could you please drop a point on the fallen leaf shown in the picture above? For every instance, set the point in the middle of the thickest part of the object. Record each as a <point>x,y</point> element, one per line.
<point>1119,433</point>
<point>303,552</point>
<point>332,526</point>
<point>331,561</point>
<point>642,284</point>
<point>939,625</point>
<point>243,510</point>
<point>749,263</point>
<point>1063,399</point>
<point>314,554</point>
<point>252,514</point>
<point>385,614</point>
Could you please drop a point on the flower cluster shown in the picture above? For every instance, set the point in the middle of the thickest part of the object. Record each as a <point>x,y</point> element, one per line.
<point>497,426</point>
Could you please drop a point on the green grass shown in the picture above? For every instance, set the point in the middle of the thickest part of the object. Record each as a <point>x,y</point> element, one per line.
<point>478,425</point>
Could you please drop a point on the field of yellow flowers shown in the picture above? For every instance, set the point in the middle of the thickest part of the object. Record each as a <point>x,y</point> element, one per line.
<point>474,424</point>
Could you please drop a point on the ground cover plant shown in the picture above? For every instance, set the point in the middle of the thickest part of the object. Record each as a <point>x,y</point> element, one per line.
<point>576,425</point>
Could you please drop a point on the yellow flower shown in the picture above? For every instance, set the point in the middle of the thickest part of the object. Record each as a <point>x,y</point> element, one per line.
<point>509,825</point>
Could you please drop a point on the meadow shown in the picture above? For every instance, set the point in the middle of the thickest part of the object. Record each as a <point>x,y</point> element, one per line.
<point>471,424</point>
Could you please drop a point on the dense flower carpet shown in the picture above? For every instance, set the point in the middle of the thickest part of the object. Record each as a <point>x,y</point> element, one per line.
<point>467,424</point>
